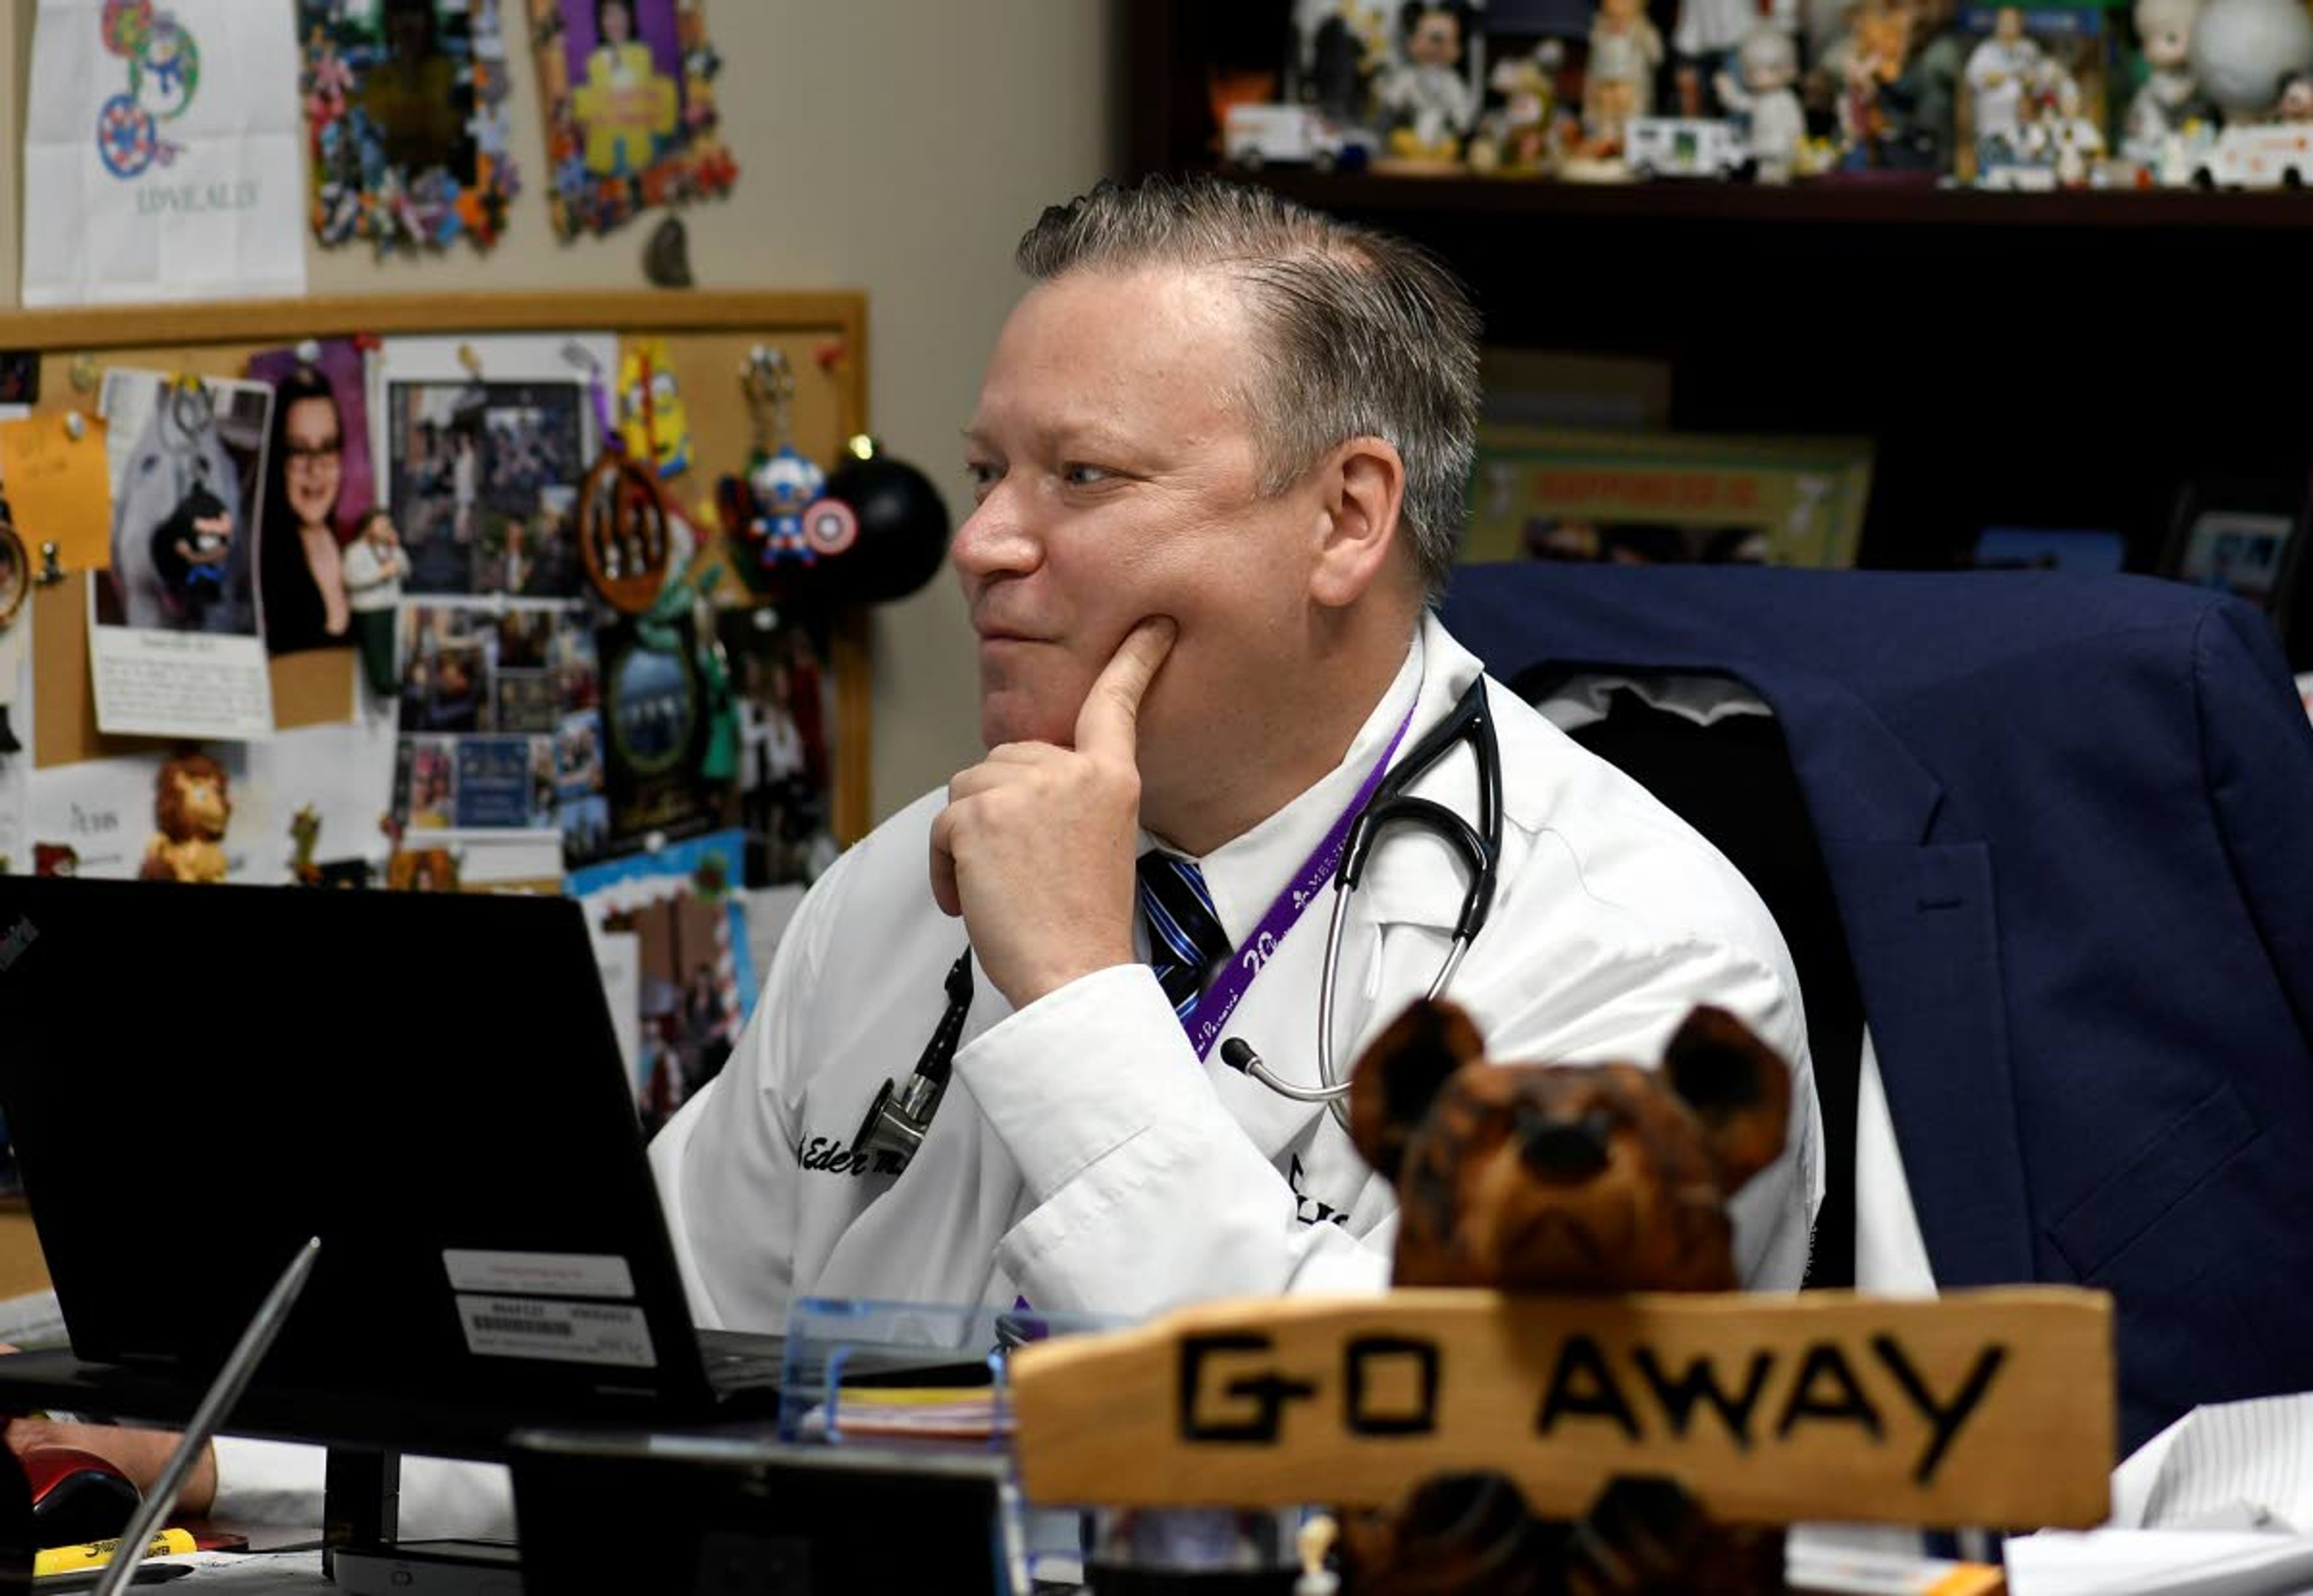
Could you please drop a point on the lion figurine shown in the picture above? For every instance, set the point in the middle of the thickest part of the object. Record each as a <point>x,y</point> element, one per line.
<point>192,804</point>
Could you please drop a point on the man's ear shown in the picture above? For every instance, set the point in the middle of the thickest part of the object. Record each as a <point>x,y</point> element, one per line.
<point>1738,1085</point>
<point>1364,493</point>
<point>1395,1078</point>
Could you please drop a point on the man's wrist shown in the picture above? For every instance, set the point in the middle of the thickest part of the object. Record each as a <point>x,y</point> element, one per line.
<point>1045,980</point>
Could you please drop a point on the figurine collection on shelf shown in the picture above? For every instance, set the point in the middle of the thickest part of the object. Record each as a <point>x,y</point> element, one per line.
<point>2162,93</point>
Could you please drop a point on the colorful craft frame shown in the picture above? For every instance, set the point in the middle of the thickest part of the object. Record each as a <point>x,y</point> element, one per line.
<point>408,147</point>
<point>630,122</point>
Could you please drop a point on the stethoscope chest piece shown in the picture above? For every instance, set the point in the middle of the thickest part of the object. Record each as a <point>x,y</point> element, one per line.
<point>901,1113</point>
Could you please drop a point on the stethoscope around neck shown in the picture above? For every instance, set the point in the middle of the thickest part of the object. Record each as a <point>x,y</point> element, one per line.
<point>897,1120</point>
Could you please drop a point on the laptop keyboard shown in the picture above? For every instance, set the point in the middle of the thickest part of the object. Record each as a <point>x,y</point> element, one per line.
<point>742,1360</point>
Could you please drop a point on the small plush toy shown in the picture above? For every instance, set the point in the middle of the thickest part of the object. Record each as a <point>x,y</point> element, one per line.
<point>192,806</point>
<point>1565,1178</point>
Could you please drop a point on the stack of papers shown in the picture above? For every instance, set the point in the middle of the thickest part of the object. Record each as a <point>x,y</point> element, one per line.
<point>2159,1563</point>
<point>2216,1504</point>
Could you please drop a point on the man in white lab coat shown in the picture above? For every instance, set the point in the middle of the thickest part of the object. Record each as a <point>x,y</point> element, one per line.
<point>1220,458</point>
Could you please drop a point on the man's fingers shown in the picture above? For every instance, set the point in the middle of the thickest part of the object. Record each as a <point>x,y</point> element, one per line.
<point>944,888</point>
<point>1108,725</point>
<point>25,1433</point>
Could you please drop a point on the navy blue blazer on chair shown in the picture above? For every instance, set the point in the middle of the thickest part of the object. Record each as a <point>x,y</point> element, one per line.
<point>2068,824</point>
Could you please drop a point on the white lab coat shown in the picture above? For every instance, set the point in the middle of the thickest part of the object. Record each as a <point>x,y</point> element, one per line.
<point>1085,1159</point>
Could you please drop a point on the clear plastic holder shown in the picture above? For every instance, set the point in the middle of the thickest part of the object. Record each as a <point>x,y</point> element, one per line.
<point>928,1373</point>
<point>927,1376</point>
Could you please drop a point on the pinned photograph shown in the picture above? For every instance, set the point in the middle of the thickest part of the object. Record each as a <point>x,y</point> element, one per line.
<point>175,645</point>
<point>484,487</point>
<point>318,486</point>
<point>500,722</point>
<point>698,980</point>
<point>786,698</point>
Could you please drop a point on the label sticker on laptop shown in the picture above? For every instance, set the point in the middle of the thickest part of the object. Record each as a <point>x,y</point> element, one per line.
<point>561,1332</point>
<point>542,1274</point>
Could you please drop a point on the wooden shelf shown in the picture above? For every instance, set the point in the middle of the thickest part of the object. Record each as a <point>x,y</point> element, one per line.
<point>1829,202</point>
<point>2053,359</point>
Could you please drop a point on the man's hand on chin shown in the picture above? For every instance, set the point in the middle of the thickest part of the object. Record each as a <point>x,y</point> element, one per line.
<point>1036,846</point>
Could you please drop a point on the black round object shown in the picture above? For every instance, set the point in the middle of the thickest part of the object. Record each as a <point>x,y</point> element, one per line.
<point>902,540</point>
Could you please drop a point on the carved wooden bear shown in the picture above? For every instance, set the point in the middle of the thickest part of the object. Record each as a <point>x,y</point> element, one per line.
<point>1565,1178</point>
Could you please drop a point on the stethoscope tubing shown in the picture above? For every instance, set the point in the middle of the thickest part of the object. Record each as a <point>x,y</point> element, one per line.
<point>897,1120</point>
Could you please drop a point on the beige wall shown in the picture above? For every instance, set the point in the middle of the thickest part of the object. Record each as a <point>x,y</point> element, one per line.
<point>898,147</point>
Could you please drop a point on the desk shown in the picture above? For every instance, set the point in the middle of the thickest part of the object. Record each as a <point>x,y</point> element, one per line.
<point>366,1435</point>
<point>281,1573</point>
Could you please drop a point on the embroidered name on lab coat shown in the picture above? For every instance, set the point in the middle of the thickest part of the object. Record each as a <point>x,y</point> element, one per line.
<point>832,1155</point>
<point>1307,1209</point>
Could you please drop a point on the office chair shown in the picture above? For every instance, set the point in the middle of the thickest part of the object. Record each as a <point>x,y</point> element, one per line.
<point>2061,825</point>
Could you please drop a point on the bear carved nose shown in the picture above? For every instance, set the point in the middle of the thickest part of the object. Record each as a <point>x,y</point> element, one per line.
<point>1561,1149</point>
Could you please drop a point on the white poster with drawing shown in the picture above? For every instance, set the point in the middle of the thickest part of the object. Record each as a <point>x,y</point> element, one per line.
<point>174,645</point>
<point>161,153</point>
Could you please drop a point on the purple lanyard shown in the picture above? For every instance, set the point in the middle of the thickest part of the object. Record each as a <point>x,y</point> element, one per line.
<point>1206,1018</point>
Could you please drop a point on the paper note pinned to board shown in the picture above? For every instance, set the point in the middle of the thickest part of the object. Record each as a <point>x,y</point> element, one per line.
<point>60,488</point>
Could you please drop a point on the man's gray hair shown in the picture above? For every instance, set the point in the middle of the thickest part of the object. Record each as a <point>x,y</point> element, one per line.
<point>1365,334</point>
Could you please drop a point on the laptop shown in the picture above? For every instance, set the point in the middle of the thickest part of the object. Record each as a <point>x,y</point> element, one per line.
<point>198,1078</point>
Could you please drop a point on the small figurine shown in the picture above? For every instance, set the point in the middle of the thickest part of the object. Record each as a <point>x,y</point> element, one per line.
<point>1346,50</point>
<point>1769,64</point>
<point>192,547</point>
<point>2296,97</point>
<point>374,568</point>
<point>1618,83</point>
<point>2243,50</point>
<point>1863,120</point>
<point>1427,99</point>
<point>763,511</point>
<point>2170,97</point>
<point>1515,140</point>
<point>1868,64</point>
<point>2056,136</point>
<point>306,832</point>
<point>1929,85</point>
<point>1998,72</point>
<point>192,806</point>
<point>1707,36</point>
<point>651,415</point>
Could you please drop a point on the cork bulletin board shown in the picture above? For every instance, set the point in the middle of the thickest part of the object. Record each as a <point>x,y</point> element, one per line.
<point>709,337</point>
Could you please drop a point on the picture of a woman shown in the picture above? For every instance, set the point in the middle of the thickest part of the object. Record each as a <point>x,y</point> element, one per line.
<point>302,570</point>
<point>623,98</point>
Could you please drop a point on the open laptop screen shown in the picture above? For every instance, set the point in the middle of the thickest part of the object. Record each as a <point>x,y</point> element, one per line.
<point>198,1078</point>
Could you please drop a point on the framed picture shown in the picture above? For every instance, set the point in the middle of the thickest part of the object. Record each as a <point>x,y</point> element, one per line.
<point>631,117</point>
<point>2244,538</point>
<point>2032,93</point>
<point>406,119</point>
<point>1660,498</point>
<point>2049,549</point>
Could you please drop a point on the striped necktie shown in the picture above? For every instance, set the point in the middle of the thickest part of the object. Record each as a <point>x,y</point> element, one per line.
<point>1185,939</point>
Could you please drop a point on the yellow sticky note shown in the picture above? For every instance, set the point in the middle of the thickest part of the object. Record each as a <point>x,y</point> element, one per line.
<point>60,488</point>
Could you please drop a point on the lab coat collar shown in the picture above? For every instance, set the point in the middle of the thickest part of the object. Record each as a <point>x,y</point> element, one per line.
<point>1411,879</point>
<point>1245,874</point>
